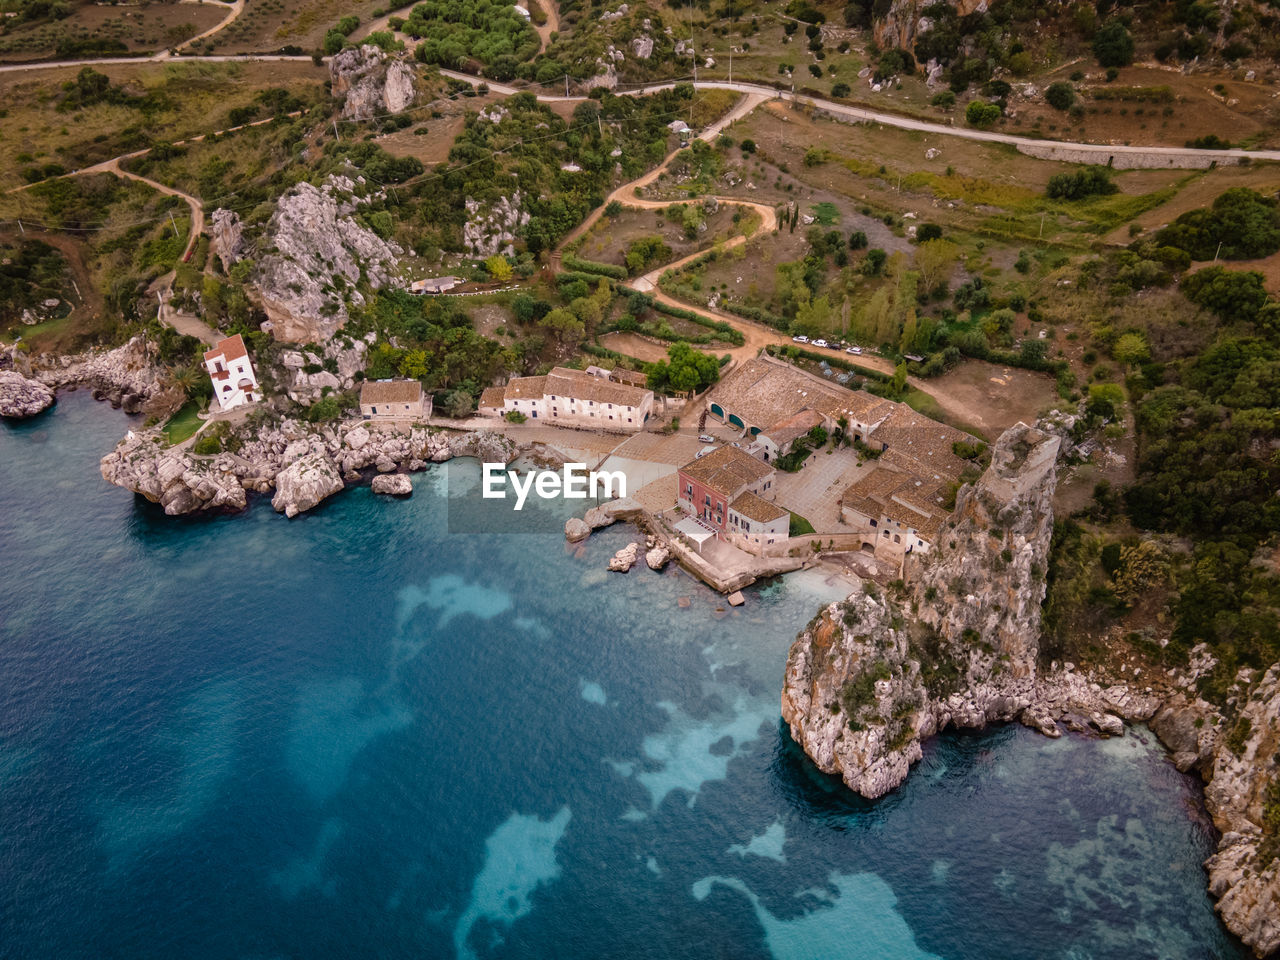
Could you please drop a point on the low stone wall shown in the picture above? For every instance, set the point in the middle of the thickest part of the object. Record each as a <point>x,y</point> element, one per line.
<point>1125,159</point>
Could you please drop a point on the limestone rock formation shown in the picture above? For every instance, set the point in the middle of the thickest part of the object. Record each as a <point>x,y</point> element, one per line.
<point>179,482</point>
<point>125,375</point>
<point>864,684</point>
<point>625,558</point>
<point>308,477</point>
<point>657,556</point>
<point>20,397</point>
<point>319,255</point>
<point>227,236</point>
<point>905,20</point>
<point>611,512</point>
<point>370,82</point>
<point>393,484</point>
<point>493,228</point>
<point>576,529</point>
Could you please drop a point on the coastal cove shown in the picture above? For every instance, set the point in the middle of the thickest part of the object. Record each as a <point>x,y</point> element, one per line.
<point>355,734</point>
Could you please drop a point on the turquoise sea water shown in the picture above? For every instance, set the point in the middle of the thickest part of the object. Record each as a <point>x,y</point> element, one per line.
<point>355,735</point>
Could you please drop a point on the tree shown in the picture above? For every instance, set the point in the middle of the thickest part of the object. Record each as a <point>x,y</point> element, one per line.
<point>1234,295</point>
<point>1244,222</point>
<point>873,264</point>
<point>934,259</point>
<point>840,89</point>
<point>1113,45</point>
<point>564,326</point>
<point>1131,349</point>
<point>1091,181</point>
<point>499,268</point>
<point>747,146</point>
<point>927,232</point>
<point>979,113</point>
<point>1060,95</point>
<point>857,240</point>
<point>684,370</point>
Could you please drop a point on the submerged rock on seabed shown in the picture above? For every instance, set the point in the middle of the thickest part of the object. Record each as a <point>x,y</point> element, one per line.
<point>20,397</point>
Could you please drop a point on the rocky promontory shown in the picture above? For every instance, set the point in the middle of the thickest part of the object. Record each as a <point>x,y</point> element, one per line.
<point>20,397</point>
<point>873,676</point>
<point>302,463</point>
<point>126,376</point>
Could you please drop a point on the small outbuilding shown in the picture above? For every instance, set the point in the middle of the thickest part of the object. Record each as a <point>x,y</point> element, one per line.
<point>394,400</point>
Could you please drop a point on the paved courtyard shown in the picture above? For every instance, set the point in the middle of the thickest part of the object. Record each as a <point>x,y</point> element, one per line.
<point>814,490</point>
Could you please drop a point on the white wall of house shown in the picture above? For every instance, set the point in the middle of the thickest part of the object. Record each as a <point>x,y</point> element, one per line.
<point>229,390</point>
<point>568,411</point>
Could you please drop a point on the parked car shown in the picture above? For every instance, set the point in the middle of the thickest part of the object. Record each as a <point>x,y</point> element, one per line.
<point>819,343</point>
<point>706,438</point>
<point>703,452</point>
<point>854,350</point>
<point>800,339</point>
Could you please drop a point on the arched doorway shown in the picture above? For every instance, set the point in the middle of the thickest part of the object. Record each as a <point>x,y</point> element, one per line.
<point>737,421</point>
<point>717,411</point>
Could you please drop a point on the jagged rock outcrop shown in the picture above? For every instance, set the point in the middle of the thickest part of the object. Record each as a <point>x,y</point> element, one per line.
<point>226,237</point>
<point>20,397</point>
<point>904,20</point>
<point>392,484</point>
<point>179,482</point>
<point>307,384</point>
<point>371,82</point>
<point>319,254</point>
<point>493,228</point>
<point>624,559</point>
<point>309,476</point>
<point>1244,874</point>
<point>302,463</point>
<point>125,375</point>
<point>865,683</point>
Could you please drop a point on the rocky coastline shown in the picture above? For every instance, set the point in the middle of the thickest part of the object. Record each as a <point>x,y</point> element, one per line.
<point>301,464</point>
<point>870,678</point>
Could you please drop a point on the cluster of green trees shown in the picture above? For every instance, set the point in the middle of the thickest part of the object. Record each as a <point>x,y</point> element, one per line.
<point>685,370</point>
<point>31,271</point>
<point>487,31</point>
<point>1243,221</point>
<point>1088,182</point>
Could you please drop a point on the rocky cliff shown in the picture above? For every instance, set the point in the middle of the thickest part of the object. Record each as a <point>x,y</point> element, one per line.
<point>318,255</point>
<point>301,463</point>
<point>370,83</point>
<point>905,20</point>
<point>867,681</point>
<point>873,676</point>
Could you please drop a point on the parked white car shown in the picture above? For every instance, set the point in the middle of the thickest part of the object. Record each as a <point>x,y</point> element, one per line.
<point>706,438</point>
<point>854,350</point>
<point>800,339</point>
<point>820,343</point>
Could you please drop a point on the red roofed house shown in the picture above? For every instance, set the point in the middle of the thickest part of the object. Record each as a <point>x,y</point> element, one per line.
<point>727,491</point>
<point>234,382</point>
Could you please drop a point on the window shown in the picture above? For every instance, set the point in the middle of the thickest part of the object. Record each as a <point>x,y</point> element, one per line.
<point>706,498</point>
<point>896,538</point>
<point>874,523</point>
<point>591,403</point>
<point>886,534</point>
<point>688,490</point>
<point>535,414</point>
<point>375,409</point>
<point>610,406</point>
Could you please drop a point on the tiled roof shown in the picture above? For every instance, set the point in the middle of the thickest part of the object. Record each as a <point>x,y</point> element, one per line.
<point>563,382</point>
<point>230,348</point>
<point>926,442</point>
<point>727,470</point>
<point>766,393</point>
<point>493,397</point>
<point>792,427</point>
<point>898,496</point>
<point>522,388</point>
<point>391,391</point>
<point>756,508</point>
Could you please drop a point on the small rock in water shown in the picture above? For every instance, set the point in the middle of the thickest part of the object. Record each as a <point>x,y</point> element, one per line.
<point>736,599</point>
<point>393,484</point>
<point>576,529</point>
<point>625,558</point>
<point>657,557</point>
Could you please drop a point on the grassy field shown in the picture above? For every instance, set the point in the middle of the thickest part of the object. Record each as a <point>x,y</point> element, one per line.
<point>140,27</point>
<point>194,98</point>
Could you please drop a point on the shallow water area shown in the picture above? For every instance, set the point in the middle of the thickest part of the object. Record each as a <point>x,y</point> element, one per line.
<point>356,734</point>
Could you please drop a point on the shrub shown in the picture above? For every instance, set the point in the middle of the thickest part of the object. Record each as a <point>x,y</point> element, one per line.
<point>1113,45</point>
<point>857,240</point>
<point>207,445</point>
<point>945,100</point>
<point>927,232</point>
<point>981,114</point>
<point>1243,221</point>
<point>515,416</point>
<point>1060,96</point>
<point>1089,182</point>
<point>840,89</point>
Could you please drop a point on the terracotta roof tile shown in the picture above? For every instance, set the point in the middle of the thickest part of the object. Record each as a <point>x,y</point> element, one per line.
<point>230,348</point>
<point>391,391</point>
<point>727,470</point>
<point>756,508</point>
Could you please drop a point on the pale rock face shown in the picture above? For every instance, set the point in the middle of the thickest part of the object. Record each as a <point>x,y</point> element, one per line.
<point>393,484</point>
<point>625,558</point>
<point>371,82</point>
<point>319,250</point>
<point>180,483</point>
<point>307,479</point>
<point>227,236</point>
<point>493,229</point>
<point>20,397</point>
<point>904,21</point>
<point>126,375</point>
<point>576,529</point>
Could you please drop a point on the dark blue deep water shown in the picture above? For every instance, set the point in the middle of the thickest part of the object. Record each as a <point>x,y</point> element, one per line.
<point>354,735</point>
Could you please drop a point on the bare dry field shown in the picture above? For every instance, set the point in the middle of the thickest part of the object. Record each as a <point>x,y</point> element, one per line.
<point>140,27</point>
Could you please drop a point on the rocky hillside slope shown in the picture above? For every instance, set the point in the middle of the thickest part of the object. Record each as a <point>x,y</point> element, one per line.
<point>870,678</point>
